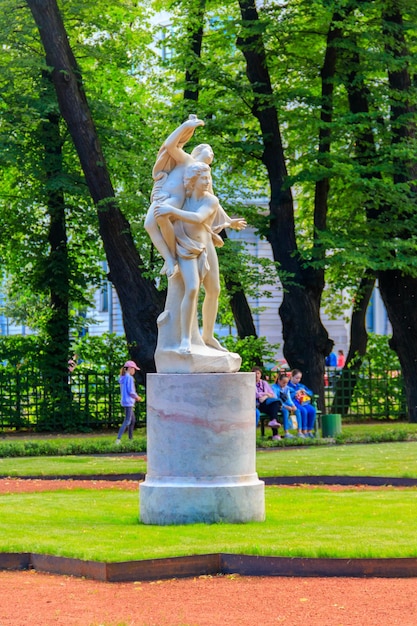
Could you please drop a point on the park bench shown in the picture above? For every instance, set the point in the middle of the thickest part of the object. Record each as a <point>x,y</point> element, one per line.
<point>264,418</point>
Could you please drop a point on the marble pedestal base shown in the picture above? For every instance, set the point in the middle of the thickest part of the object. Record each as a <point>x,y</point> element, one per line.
<point>201,450</point>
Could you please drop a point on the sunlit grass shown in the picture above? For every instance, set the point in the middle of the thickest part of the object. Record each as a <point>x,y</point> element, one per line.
<point>302,522</point>
<point>72,465</point>
<point>386,459</point>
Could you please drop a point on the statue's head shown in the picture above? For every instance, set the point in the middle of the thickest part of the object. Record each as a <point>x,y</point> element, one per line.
<point>203,152</point>
<point>192,174</point>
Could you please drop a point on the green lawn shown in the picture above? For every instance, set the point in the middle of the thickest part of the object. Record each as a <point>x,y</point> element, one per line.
<point>384,459</point>
<point>305,522</point>
<point>301,522</point>
<point>69,465</point>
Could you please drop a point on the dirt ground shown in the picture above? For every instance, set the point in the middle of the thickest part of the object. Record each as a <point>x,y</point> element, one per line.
<point>31,597</point>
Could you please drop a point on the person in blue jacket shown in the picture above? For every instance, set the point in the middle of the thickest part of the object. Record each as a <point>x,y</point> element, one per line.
<point>331,360</point>
<point>282,392</point>
<point>302,397</point>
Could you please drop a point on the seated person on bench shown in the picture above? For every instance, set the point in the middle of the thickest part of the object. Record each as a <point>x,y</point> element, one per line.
<point>301,396</point>
<point>280,387</point>
<point>267,402</point>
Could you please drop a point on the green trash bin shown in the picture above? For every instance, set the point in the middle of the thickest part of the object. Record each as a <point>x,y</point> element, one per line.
<point>331,425</point>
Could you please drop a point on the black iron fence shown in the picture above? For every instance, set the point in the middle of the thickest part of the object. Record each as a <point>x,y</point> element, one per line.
<point>367,394</point>
<point>85,400</point>
<point>90,400</point>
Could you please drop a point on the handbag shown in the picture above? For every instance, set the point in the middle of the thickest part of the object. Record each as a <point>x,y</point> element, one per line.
<point>293,420</point>
<point>302,397</point>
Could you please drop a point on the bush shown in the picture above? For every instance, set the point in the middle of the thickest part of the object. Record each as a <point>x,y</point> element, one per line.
<point>107,352</point>
<point>253,350</point>
<point>62,447</point>
<point>379,385</point>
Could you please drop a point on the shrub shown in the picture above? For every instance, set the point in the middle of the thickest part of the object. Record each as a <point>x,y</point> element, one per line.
<point>253,350</point>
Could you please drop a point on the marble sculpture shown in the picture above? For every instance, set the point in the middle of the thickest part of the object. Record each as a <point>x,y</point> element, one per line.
<point>183,222</point>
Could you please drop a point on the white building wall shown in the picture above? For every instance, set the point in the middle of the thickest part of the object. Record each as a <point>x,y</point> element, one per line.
<point>106,313</point>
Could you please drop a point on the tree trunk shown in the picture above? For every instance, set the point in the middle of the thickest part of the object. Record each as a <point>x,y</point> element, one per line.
<point>305,339</point>
<point>239,305</point>
<point>242,313</point>
<point>366,155</point>
<point>195,32</point>
<point>306,342</point>
<point>398,290</point>
<point>140,301</point>
<point>55,274</point>
<point>399,293</point>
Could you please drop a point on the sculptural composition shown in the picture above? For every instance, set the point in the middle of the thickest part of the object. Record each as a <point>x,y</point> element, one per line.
<point>201,431</point>
<point>183,221</point>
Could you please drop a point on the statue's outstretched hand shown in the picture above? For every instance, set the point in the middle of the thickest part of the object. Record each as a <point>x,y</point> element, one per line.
<point>238,223</point>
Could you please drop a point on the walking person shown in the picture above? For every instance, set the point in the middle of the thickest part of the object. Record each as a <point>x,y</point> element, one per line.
<point>128,398</point>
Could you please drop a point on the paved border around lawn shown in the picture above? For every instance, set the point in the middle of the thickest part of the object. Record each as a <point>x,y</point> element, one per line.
<point>210,564</point>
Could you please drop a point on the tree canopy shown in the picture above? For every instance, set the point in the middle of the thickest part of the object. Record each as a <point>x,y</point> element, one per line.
<point>308,103</point>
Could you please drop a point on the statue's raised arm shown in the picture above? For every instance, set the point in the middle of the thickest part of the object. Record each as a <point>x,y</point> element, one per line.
<point>168,190</point>
<point>171,153</point>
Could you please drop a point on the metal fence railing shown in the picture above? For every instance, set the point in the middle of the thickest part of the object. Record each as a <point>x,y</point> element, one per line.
<point>86,400</point>
<point>366,394</point>
<point>90,400</point>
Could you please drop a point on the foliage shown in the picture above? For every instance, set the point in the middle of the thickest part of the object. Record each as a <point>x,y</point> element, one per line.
<point>379,386</point>
<point>108,352</point>
<point>253,350</point>
<point>398,434</point>
<point>379,355</point>
<point>18,350</point>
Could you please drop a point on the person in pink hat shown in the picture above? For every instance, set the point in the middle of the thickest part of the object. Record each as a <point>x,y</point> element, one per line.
<point>128,398</point>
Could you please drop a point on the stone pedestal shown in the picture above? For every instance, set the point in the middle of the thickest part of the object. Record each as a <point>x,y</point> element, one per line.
<point>201,450</point>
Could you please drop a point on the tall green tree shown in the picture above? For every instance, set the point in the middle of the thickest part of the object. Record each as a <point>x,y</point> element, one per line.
<point>399,285</point>
<point>139,299</point>
<point>321,77</point>
<point>306,341</point>
<point>36,193</point>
